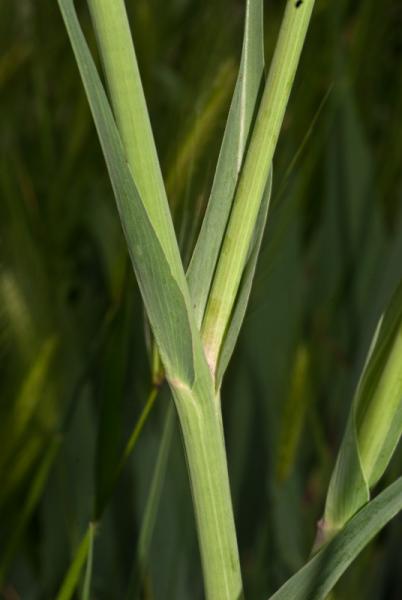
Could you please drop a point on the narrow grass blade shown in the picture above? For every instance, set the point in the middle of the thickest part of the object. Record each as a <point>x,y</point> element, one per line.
<point>242,109</point>
<point>102,500</point>
<point>72,578</point>
<point>317,578</point>
<point>22,449</point>
<point>374,426</point>
<point>139,426</point>
<point>29,396</point>
<point>294,413</point>
<point>302,146</point>
<point>151,508</point>
<point>85,549</point>
<point>160,277</point>
<point>254,176</point>
<point>243,296</point>
<point>379,418</point>
<point>86,591</point>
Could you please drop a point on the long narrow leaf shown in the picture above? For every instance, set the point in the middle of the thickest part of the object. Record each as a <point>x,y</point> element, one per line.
<point>72,578</point>
<point>86,591</point>
<point>242,109</point>
<point>161,282</point>
<point>253,178</point>
<point>317,578</point>
<point>140,566</point>
<point>374,426</point>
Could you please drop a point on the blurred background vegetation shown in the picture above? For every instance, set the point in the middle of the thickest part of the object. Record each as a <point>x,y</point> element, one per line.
<point>75,372</point>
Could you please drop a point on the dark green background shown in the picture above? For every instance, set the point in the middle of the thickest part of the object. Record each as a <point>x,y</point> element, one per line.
<point>74,370</point>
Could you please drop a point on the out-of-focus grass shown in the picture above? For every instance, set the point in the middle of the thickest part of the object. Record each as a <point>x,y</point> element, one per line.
<point>73,364</point>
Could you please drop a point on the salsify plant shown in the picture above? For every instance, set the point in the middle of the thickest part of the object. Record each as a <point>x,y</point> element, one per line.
<point>195,315</point>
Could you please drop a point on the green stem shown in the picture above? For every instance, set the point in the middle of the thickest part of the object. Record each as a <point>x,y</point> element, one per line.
<point>197,407</point>
<point>200,420</point>
<point>72,577</point>
<point>254,175</point>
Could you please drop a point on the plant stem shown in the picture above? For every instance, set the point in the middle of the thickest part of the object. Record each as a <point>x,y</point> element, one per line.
<point>254,176</point>
<point>197,406</point>
<point>200,421</point>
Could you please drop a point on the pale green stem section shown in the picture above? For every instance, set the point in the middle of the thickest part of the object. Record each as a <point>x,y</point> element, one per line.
<point>254,176</point>
<point>206,458</point>
<point>117,51</point>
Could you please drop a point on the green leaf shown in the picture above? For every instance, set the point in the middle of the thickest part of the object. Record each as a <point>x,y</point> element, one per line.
<point>32,390</point>
<point>22,443</point>
<point>202,265</point>
<point>243,296</point>
<point>115,467</point>
<point>348,489</point>
<point>253,179</point>
<point>374,426</point>
<point>379,404</point>
<point>86,591</point>
<point>141,563</point>
<point>317,578</point>
<point>73,574</point>
<point>160,277</point>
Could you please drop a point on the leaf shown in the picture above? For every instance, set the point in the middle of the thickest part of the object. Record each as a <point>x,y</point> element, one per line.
<point>32,390</point>
<point>375,423</point>
<point>317,578</point>
<point>115,467</point>
<point>253,179</point>
<point>379,405</point>
<point>348,489</point>
<point>160,278</point>
<point>22,442</point>
<point>141,563</point>
<point>86,592</point>
<point>72,577</point>
<point>202,265</point>
<point>243,296</point>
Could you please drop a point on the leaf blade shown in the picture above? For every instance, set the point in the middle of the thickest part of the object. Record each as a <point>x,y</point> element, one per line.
<point>316,579</point>
<point>161,281</point>
<point>374,426</point>
<point>202,265</point>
